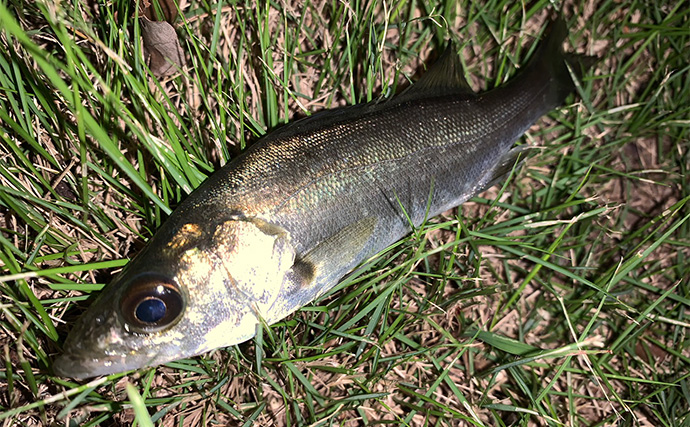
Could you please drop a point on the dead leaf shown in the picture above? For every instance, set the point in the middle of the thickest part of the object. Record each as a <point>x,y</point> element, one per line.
<point>165,55</point>
<point>159,10</point>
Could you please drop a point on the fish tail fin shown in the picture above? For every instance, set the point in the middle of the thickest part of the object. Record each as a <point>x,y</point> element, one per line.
<point>552,65</point>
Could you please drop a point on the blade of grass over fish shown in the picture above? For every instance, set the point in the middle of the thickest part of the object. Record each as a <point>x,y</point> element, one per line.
<point>141,413</point>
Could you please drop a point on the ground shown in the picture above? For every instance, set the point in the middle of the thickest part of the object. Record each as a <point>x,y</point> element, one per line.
<point>558,297</point>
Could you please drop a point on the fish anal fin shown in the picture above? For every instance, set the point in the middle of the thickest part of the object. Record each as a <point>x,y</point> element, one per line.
<point>504,166</point>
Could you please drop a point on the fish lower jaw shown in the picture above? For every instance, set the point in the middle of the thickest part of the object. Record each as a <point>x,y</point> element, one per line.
<point>79,367</point>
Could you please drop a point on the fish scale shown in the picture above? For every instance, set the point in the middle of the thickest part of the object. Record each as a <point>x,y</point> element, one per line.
<point>386,161</point>
<point>281,224</point>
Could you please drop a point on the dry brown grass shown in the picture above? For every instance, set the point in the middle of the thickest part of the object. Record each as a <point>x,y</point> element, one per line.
<point>636,184</point>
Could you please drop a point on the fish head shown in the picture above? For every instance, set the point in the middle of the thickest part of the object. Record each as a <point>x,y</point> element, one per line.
<point>191,290</point>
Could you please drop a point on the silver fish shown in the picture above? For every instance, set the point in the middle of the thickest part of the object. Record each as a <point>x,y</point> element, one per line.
<point>281,224</point>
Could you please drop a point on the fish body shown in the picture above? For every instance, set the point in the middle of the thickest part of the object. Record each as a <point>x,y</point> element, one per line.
<point>281,224</point>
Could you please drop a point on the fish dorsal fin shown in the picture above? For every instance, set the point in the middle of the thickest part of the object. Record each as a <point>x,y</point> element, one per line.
<point>445,77</point>
<point>319,120</point>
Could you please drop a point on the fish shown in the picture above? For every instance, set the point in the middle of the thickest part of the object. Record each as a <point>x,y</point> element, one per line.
<point>285,221</point>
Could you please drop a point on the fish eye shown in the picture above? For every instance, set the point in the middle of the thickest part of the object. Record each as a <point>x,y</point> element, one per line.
<point>151,303</point>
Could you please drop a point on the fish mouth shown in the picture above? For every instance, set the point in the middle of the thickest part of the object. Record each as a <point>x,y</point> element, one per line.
<point>76,363</point>
<point>79,367</point>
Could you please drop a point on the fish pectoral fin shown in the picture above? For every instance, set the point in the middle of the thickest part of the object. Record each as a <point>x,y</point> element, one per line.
<point>445,77</point>
<point>341,248</point>
<point>505,165</point>
<point>317,271</point>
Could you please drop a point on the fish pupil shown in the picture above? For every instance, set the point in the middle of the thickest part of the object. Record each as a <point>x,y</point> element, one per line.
<point>150,310</point>
<point>151,303</point>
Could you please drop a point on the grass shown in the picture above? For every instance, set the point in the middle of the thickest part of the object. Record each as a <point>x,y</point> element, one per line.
<point>558,298</point>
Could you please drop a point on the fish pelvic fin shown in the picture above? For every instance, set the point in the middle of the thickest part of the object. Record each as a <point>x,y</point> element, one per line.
<point>508,162</point>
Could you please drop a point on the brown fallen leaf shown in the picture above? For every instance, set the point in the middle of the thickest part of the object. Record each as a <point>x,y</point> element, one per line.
<point>159,10</point>
<point>165,55</point>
